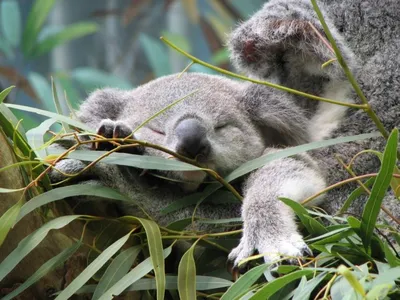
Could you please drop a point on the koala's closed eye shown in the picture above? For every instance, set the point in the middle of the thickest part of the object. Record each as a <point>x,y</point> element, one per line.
<point>157,131</point>
<point>222,126</point>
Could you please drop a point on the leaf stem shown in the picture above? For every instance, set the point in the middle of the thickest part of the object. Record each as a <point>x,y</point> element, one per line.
<point>270,84</point>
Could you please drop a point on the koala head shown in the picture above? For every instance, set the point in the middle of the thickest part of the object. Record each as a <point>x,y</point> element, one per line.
<point>209,125</point>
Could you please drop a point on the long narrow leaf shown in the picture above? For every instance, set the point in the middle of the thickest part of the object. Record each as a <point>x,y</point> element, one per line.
<point>241,286</point>
<point>4,93</point>
<point>131,160</point>
<point>30,242</point>
<point>134,275</point>
<point>271,288</point>
<point>116,270</point>
<point>187,275</point>
<point>71,32</point>
<point>36,18</point>
<point>382,182</point>
<point>154,241</point>
<point>35,137</point>
<point>10,19</point>
<point>90,270</point>
<point>8,218</point>
<point>48,266</point>
<point>50,115</point>
<point>69,191</point>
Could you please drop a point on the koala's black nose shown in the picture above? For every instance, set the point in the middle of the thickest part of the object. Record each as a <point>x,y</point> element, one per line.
<point>192,138</point>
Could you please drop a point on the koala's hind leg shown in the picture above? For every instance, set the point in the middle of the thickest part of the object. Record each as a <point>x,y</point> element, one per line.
<point>268,224</point>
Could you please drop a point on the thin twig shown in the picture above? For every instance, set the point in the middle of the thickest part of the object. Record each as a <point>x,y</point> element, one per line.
<point>270,84</point>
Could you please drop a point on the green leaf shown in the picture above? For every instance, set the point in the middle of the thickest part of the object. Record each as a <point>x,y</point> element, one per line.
<point>35,138</point>
<point>50,115</point>
<point>91,79</point>
<point>154,241</point>
<point>69,191</point>
<point>6,49</point>
<point>8,218</point>
<point>272,287</point>
<point>156,54</point>
<point>71,32</point>
<point>57,104</point>
<point>355,194</point>
<point>310,285</point>
<point>220,57</point>
<point>47,267</point>
<point>42,89</point>
<point>4,93</point>
<point>134,275</point>
<point>312,225</point>
<point>244,282</point>
<point>387,276</point>
<point>187,275</point>
<point>90,270</point>
<point>30,242</point>
<point>10,19</point>
<point>390,256</point>
<point>34,23</point>
<point>379,292</point>
<point>131,160</point>
<point>382,182</point>
<point>263,160</point>
<point>116,270</point>
<point>203,283</point>
<point>352,279</point>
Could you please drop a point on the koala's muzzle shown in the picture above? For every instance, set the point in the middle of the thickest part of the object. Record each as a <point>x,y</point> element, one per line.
<point>192,138</point>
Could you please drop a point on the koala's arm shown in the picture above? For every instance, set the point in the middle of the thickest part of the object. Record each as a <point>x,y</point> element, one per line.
<point>268,224</point>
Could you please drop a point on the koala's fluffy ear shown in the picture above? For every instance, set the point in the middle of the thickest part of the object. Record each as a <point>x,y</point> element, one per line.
<point>275,112</point>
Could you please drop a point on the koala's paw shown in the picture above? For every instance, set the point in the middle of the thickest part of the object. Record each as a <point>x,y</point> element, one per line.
<point>288,247</point>
<point>115,129</point>
<point>282,31</point>
<point>66,166</point>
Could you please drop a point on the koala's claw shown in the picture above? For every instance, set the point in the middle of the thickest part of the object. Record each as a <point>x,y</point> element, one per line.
<point>273,250</point>
<point>115,129</point>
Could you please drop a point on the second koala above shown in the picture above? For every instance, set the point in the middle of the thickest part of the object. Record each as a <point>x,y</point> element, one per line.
<point>225,123</point>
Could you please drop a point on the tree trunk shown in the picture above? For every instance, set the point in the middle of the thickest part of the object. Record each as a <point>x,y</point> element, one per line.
<point>54,243</point>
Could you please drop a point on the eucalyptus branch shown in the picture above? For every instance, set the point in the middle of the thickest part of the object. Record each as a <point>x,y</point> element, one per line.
<point>135,143</point>
<point>266,83</point>
<point>351,172</point>
<point>367,107</point>
<point>340,183</point>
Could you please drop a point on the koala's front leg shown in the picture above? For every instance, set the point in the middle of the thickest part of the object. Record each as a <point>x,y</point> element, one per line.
<point>268,224</point>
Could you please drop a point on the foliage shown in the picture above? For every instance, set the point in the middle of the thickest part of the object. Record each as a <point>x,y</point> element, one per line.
<point>353,259</point>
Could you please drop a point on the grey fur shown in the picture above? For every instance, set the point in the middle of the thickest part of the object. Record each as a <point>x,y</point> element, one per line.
<point>241,121</point>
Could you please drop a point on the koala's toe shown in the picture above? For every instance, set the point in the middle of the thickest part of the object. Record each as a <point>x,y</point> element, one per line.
<point>122,130</point>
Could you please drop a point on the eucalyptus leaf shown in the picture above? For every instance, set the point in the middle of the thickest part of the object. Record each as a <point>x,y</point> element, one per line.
<point>116,270</point>
<point>8,218</point>
<point>156,54</point>
<point>382,182</point>
<point>187,275</point>
<point>50,115</point>
<point>47,267</point>
<point>69,191</point>
<point>37,16</point>
<point>134,275</point>
<point>10,19</point>
<point>71,32</point>
<point>30,242</point>
<point>42,89</point>
<point>35,138</point>
<point>90,270</point>
<point>242,285</point>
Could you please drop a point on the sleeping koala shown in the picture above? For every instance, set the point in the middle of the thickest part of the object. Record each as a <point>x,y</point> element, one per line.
<point>225,123</point>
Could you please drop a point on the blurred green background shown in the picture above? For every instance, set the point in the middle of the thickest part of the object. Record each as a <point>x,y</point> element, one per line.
<point>90,44</point>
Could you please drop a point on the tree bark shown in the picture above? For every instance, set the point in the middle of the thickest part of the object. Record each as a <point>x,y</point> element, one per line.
<point>54,243</point>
